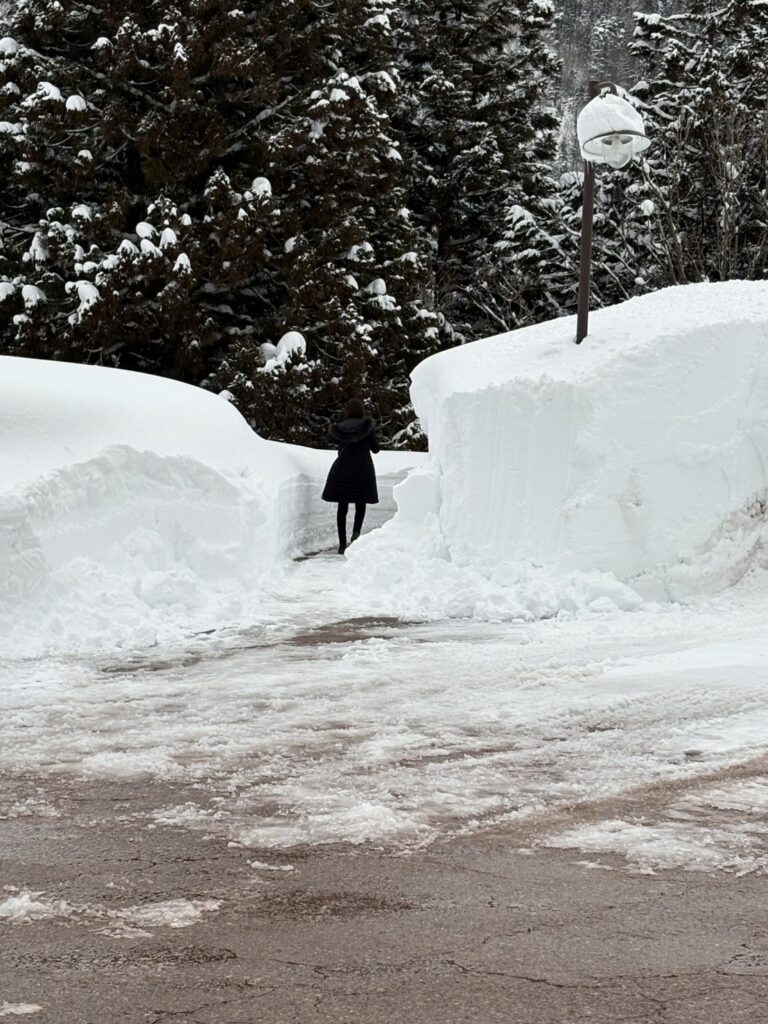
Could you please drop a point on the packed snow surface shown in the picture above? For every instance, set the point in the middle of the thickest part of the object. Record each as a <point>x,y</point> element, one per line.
<point>637,735</point>
<point>641,454</point>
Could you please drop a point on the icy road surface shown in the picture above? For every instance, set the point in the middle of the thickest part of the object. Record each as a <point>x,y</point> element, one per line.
<point>640,733</point>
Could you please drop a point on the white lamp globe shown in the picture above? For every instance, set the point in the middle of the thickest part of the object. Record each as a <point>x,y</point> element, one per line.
<point>617,150</point>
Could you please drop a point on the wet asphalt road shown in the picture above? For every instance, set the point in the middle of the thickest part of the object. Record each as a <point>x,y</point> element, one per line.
<point>470,929</point>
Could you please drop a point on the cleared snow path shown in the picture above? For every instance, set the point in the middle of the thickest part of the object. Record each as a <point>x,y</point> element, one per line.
<point>641,733</point>
<point>317,514</point>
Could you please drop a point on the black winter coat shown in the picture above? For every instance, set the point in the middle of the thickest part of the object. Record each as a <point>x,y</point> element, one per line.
<point>352,476</point>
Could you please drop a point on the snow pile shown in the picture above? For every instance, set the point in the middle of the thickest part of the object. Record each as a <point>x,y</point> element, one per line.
<point>126,498</point>
<point>133,922</point>
<point>25,907</point>
<point>133,506</point>
<point>564,475</point>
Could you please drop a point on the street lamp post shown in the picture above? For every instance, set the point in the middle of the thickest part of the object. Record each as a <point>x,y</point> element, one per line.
<point>610,131</point>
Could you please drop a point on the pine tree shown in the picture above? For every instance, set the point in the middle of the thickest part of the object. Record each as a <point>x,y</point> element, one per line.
<point>625,237</point>
<point>478,139</point>
<point>132,141</point>
<point>706,107</point>
<point>354,281</point>
<point>187,184</point>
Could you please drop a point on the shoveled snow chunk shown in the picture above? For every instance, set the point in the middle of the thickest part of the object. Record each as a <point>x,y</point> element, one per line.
<point>26,907</point>
<point>18,1009</point>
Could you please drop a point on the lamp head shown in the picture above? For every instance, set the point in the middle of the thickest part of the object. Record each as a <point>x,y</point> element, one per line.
<point>611,130</point>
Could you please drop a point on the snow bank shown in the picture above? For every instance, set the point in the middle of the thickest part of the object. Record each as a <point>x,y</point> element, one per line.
<point>640,456</point>
<point>129,501</point>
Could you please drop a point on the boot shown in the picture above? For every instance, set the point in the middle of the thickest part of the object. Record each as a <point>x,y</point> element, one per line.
<point>355,535</point>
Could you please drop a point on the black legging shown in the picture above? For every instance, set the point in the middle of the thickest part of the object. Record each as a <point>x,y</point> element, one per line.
<point>341,520</point>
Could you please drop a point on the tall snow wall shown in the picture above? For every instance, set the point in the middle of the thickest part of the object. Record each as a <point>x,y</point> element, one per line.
<point>642,452</point>
<point>126,498</point>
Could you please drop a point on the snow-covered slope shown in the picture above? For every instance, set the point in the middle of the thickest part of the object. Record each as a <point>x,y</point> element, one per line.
<point>129,501</point>
<point>642,453</point>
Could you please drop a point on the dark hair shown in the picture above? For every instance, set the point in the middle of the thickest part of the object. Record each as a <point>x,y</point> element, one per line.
<point>354,409</point>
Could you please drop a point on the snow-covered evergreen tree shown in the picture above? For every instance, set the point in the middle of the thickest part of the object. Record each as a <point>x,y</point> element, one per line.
<point>624,239</point>
<point>354,282</point>
<point>132,140</point>
<point>705,93</point>
<point>478,139</point>
<point>694,206</point>
<point>188,183</point>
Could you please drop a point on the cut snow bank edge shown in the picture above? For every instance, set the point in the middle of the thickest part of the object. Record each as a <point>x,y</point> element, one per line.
<point>642,453</point>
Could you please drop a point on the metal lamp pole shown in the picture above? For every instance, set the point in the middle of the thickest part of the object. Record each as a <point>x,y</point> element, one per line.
<point>587,211</point>
<point>610,131</point>
<point>585,257</point>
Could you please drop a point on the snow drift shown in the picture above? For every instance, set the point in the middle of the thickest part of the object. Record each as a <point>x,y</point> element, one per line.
<point>128,500</point>
<point>639,456</point>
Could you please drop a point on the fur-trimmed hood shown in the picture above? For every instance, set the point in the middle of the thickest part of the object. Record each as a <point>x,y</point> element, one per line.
<point>353,429</point>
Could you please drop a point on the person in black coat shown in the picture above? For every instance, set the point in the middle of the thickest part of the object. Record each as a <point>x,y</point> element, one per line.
<point>352,477</point>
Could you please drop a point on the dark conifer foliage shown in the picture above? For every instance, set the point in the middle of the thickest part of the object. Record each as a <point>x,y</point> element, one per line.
<point>479,146</point>
<point>129,156</point>
<point>694,207</point>
<point>186,184</point>
<point>294,200</point>
<point>353,277</point>
<point>705,93</point>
